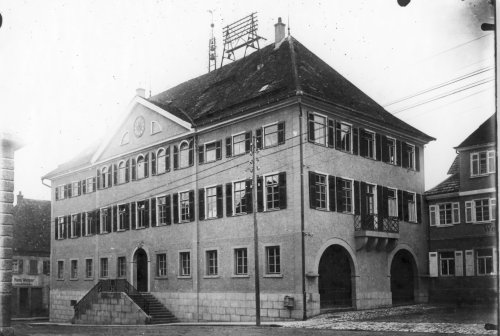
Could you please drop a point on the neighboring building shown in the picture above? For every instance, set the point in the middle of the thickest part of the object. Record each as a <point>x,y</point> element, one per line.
<point>166,201</point>
<point>463,223</point>
<point>31,258</point>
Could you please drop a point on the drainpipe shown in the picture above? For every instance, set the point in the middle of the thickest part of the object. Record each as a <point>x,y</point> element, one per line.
<point>197,238</point>
<point>302,224</point>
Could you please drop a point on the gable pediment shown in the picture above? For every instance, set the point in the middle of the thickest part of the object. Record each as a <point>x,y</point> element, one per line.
<point>143,124</point>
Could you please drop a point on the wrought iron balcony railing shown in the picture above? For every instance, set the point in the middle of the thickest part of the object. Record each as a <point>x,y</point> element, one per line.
<point>372,222</point>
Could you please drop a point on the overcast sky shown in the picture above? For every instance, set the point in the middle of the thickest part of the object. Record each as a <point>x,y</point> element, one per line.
<point>69,68</point>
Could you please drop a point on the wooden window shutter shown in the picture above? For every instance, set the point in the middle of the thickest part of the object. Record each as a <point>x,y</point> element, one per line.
<point>419,208</point>
<point>361,199</point>
<point>176,157</point>
<point>248,141</point>
<point>132,215</point>
<point>363,148</point>
<point>220,201</point>
<point>84,186</point>
<point>260,194</point>
<point>153,163</point>
<point>110,175</point>
<point>385,202</point>
<point>258,138</point>
<point>469,262</point>
<point>133,170</point>
<point>384,148</point>
<point>56,227</point>
<point>115,174</point>
<point>97,221</point>
<point>338,135</point>
<point>331,193</point>
<point>84,229</point>
<point>357,198</point>
<point>127,170</point>
<point>168,210</point>
<point>229,150</point>
<point>378,147</point>
<point>249,196</point>
<point>433,264</point>
<point>115,218</point>
<point>281,133</point>
<point>218,150</point>
<point>331,133</point>
<point>398,153</point>
<point>201,204</point>
<point>79,188</point>
<point>340,201</point>
<point>310,118</point>
<point>94,184</point>
<point>355,140</point>
<point>417,158</point>
<point>69,189</point>
<point>175,208</point>
<point>167,159</point>
<point>191,206</point>
<point>400,205</point>
<point>404,155</point>
<point>191,153</point>
<point>146,165</point>
<point>312,190</point>
<point>147,212</point>
<point>381,208</point>
<point>201,154</point>
<point>57,193</point>
<point>459,263</point>
<point>152,203</point>
<point>229,199</point>
<point>282,188</point>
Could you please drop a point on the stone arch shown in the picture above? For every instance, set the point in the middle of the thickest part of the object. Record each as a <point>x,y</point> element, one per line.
<point>402,270</point>
<point>133,268</point>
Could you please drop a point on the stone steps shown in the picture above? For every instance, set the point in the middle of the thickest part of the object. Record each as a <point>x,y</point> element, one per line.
<point>159,314</point>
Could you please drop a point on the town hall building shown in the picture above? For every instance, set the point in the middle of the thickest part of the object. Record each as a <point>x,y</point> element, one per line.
<point>164,206</point>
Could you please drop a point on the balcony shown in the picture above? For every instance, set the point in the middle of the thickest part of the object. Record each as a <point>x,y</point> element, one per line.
<point>375,233</point>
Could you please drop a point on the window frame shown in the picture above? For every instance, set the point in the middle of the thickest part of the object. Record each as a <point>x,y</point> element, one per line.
<point>396,200</point>
<point>373,140</point>
<point>267,272</point>
<point>88,223</point>
<point>60,269</point>
<point>60,192</point>
<point>471,205</point>
<point>244,259</point>
<point>87,276</point>
<point>102,222</point>
<point>102,274</point>
<point>73,272</point>
<point>187,210</point>
<point>119,268</point>
<point>435,214</point>
<point>119,224</point>
<point>105,179</point>
<point>450,263</point>
<point>181,273</point>
<point>158,211</point>
<point>89,181</point>
<point>138,170</point>
<point>241,207</point>
<point>161,272</point>
<point>392,143</point>
<point>324,137</point>
<point>489,154</point>
<point>276,186</point>
<point>233,144</point>
<point>209,266</point>
<point>139,219</point>
<point>122,172</point>
<point>485,258</point>
<point>274,124</point>
<point>205,150</point>
<point>76,189</point>
<point>414,208</point>
<point>61,227</point>
<point>342,145</point>
<point>185,152</point>
<point>163,159</point>
<point>326,188</point>
<point>352,203</point>
<point>411,164</point>
<point>214,196</point>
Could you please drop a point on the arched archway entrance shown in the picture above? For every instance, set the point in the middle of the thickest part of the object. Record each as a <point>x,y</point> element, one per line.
<point>335,278</point>
<point>141,270</point>
<point>403,271</point>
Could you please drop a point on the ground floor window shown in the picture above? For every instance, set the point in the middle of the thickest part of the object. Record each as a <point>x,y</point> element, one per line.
<point>74,269</point>
<point>484,261</point>
<point>447,263</point>
<point>212,263</point>
<point>89,270</point>
<point>161,265</point>
<point>240,261</point>
<point>273,263</point>
<point>184,263</point>
<point>121,271</point>
<point>60,269</point>
<point>104,268</point>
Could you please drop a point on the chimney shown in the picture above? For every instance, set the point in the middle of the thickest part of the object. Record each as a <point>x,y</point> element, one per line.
<point>279,32</point>
<point>140,92</point>
<point>20,198</point>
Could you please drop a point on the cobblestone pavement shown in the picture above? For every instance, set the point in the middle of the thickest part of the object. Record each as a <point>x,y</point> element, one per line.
<point>400,319</point>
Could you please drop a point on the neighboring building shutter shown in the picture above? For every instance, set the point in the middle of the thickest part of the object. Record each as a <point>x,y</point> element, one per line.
<point>258,138</point>
<point>146,165</point>
<point>363,150</point>
<point>381,207</point>
<point>153,163</point>
<point>229,199</point>
<point>331,133</point>
<point>281,133</point>
<point>67,222</point>
<point>398,152</point>
<point>69,189</point>
<point>115,174</point>
<point>260,194</point>
<point>191,153</point>
<point>248,141</point>
<point>132,215</point>
<point>312,190</point>
<point>249,196</point>
<point>406,215</point>
<point>57,193</point>
<point>201,154</point>
<point>357,197</point>
<point>201,204</point>
<point>146,213</point>
<point>110,175</point>
<point>338,135</point>
<point>310,118</point>
<point>433,264</point>
<point>168,210</point>
<point>127,170</point>
<point>220,201</point>
<point>133,170</point>
<point>152,202</point>
<point>459,263</point>
<point>175,208</point>
<point>84,186</point>
<point>419,208</point>
<point>167,159</point>
<point>115,218</point>
<point>84,226</point>
<point>384,148</point>
<point>282,188</point>
<point>127,216</point>
<point>229,150</point>
<point>378,146</point>
<point>355,140</point>
<point>417,158</point>
<point>176,157</point>
<point>400,205</point>
<point>340,201</point>
<point>218,150</point>
<point>404,155</point>
<point>361,204</point>
<point>97,221</point>
<point>191,206</point>
<point>469,262</point>
<point>56,227</point>
<point>331,193</point>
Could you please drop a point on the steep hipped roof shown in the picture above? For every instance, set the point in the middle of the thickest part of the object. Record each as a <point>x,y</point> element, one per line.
<point>266,76</point>
<point>450,185</point>
<point>31,227</point>
<point>261,78</point>
<point>486,133</point>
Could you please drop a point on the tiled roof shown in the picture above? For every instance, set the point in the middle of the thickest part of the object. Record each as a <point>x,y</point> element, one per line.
<point>450,185</point>
<point>455,166</point>
<point>486,133</point>
<point>31,227</point>
<point>264,77</point>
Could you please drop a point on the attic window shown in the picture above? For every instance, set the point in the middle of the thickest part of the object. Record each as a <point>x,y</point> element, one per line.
<point>264,88</point>
<point>155,127</point>
<point>125,139</point>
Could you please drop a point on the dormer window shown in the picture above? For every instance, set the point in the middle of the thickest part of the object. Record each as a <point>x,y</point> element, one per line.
<point>482,163</point>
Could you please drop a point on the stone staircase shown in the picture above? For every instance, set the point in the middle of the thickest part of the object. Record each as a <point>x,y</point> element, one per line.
<point>159,314</point>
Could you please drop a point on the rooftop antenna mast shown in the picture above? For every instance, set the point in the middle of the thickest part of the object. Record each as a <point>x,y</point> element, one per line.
<point>212,48</point>
<point>239,34</point>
